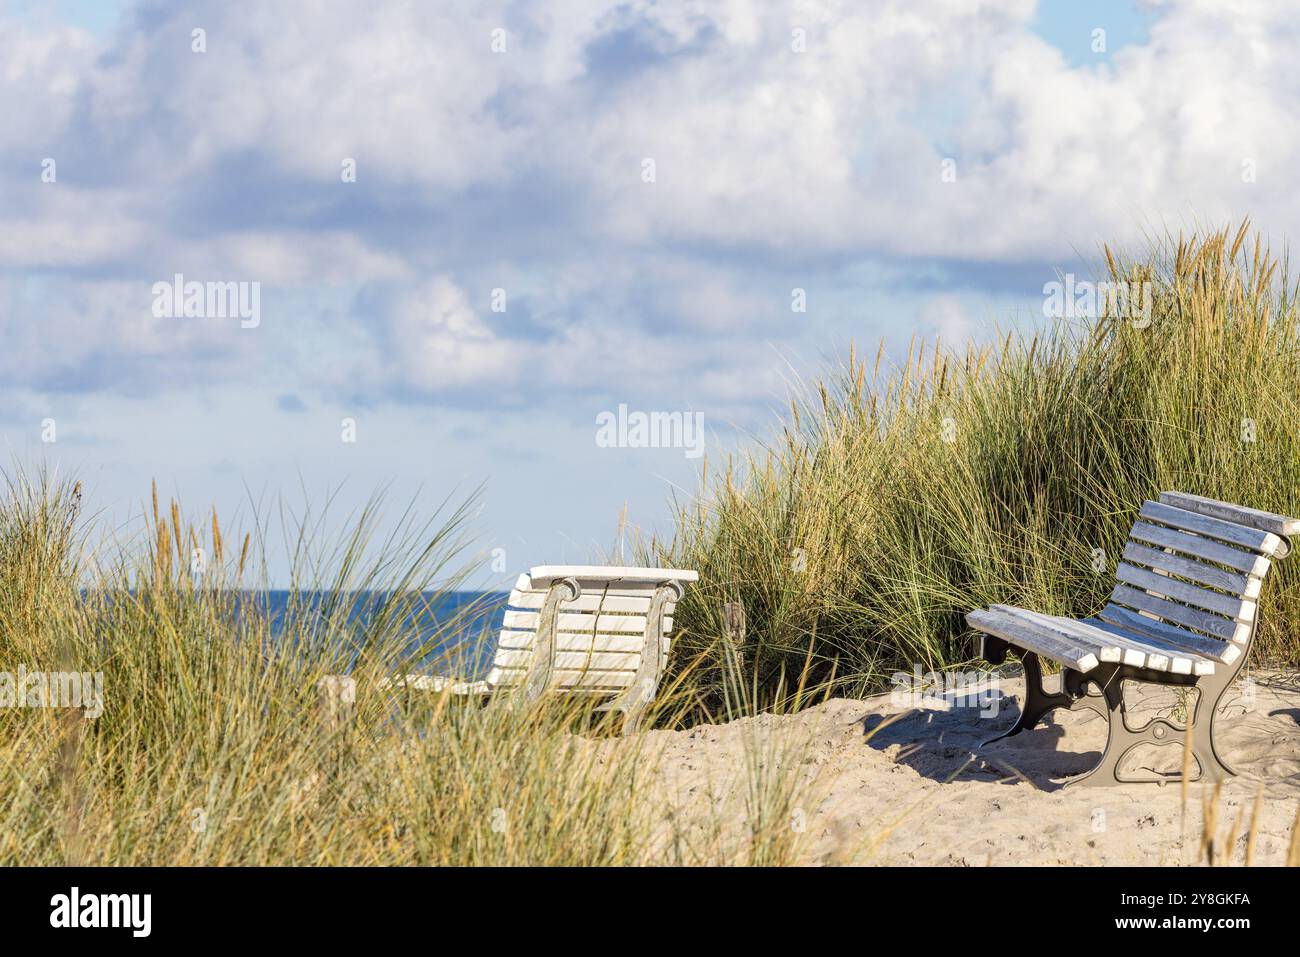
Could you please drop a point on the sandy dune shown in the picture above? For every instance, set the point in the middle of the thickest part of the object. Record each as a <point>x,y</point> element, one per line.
<point>911,791</point>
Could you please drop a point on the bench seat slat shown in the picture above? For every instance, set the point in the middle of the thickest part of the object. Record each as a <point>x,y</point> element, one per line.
<point>1118,646</point>
<point>1035,638</point>
<point>1105,646</point>
<point>1182,660</point>
<point>543,575</point>
<point>1113,643</point>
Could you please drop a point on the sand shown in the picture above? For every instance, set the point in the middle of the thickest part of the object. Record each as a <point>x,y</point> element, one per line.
<point>889,784</point>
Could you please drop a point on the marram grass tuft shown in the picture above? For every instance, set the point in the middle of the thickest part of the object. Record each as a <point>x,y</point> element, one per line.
<point>892,503</point>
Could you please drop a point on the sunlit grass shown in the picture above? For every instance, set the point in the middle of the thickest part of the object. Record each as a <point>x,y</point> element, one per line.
<point>215,746</point>
<point>895,501</point>
<point>892,503</point>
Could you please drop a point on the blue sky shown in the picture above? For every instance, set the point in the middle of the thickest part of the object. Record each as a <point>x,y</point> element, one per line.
<point>1068,25</point>
<point>502,270</point>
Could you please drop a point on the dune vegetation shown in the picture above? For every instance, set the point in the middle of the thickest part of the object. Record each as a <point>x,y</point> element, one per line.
<point>213,735</point>
<point>892,502</point>
<point>897,500</point>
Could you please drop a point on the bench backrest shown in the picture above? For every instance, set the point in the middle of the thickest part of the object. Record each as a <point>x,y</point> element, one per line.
<point>1192,570</point>
<point>600,633</point>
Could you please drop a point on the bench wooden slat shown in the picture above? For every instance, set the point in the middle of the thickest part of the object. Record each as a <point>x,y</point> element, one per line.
<point>1106,645</point>
<point>1217,602</point>
<point>643,587</point>
<point>1123,647</point>
<point>1182,660</point>
<point>566,679</point>
<point>1171,611</point>
<point>1228,512</point>
<point>1203,548</point>
<point>578,641</point>
<point>622,624</point>
<point>1129,620</point>
<point>573,660</point>
<point>1113,643</point>
<point>1251,538</point>
<point>1142,651</point>
<point>594,601</point>
<point>1035,638</point>
<point>543,575</point>
<point>1238,583</point>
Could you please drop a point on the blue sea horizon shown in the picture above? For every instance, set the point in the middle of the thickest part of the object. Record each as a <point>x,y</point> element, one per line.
<point>469,644</point>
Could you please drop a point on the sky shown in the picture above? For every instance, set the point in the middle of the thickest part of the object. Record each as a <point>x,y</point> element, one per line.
<point>476,230</point>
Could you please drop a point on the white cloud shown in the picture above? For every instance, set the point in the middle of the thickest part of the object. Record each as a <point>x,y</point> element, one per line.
<point>94,336</point>
<point>945,317</point>
<point>473,164</point>
<point>436,342</point>
<point>43,71</point>
<point>776,169</point>
<point>432,340</point>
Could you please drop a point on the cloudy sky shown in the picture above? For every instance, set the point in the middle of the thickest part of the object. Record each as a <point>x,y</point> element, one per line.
<point>562,207</point>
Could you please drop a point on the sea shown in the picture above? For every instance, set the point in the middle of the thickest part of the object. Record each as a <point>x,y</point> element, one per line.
<point>469,644</point>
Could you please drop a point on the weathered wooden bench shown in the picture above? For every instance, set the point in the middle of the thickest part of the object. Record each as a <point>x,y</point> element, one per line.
<point>581,629</point>
<point>1183,613</point>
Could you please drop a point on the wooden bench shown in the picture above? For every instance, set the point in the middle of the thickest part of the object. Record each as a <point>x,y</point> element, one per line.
<point>581,629</point>
<point>1182,613</point>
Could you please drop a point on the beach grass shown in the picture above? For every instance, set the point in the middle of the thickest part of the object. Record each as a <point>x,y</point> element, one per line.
<point>216,744</point>
<point>897,499</point>
<point>892,502</point>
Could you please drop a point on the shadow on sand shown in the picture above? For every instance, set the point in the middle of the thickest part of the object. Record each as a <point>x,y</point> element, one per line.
<point>1262,742</point>
<point>946,745</point>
